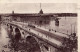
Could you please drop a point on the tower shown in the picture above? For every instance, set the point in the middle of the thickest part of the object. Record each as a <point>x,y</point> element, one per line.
<point>12,12</point>
<point>41,11</point>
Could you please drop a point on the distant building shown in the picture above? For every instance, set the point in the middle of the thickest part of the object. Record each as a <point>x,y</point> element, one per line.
<point>31,18</point>
<point>6,18</point>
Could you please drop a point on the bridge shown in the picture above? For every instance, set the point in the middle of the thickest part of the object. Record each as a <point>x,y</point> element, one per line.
<point>44,40</point>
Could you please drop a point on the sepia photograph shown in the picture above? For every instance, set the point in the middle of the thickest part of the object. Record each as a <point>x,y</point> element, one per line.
<point>38,27</point>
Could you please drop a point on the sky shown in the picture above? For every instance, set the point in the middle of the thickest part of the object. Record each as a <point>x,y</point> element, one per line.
<point>38,1</point>
<point>35,7</point>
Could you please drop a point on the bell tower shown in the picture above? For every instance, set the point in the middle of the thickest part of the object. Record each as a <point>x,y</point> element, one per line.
<point>12,12</point>
<point>41,11</point>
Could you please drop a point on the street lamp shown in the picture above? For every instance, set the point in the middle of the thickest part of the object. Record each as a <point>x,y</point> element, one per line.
<point>71,29</point>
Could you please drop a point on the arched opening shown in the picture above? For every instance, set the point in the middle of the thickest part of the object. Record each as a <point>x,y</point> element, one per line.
<point>17,30</point>
<point>17,35</point>
<point>7,25</point>
<point>11,29</point>
<point>32,45</point>
<point>14,42</point>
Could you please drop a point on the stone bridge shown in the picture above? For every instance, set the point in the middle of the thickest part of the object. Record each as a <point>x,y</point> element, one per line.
<point>35,40</point>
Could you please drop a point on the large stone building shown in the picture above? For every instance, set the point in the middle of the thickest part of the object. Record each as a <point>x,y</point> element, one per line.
<point>32,19</point>
<point>35,18</point>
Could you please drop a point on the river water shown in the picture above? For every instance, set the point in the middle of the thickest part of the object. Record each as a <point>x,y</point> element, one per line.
<point>4,40</point>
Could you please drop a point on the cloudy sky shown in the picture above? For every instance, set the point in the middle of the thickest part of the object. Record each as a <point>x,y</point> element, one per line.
<point>35,7</point>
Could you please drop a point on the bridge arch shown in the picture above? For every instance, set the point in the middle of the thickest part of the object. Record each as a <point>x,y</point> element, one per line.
<point>17,34</point>
<point>7,24</point>
<point>17,30</point>
<point>11,28</point>
<point>32,44</point>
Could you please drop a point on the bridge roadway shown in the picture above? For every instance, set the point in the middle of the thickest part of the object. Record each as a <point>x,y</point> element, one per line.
<point>51,38</point>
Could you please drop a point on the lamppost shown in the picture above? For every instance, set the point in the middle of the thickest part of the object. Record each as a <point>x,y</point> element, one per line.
<point>74,28</point>
<point>71,29</point>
